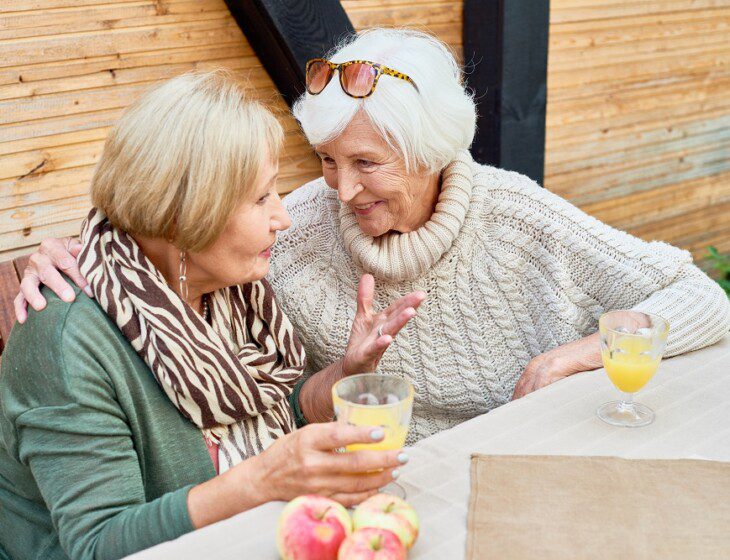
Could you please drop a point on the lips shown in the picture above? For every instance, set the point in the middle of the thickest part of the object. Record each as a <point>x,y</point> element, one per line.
<point>267,252</point>
<point>365,209</point>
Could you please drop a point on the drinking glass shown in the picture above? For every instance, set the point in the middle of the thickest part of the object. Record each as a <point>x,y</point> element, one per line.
<point>632,344</point>
<point>370,399</point>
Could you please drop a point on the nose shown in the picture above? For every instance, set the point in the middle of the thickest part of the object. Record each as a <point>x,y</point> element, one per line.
<point>280,219</point>
<point>348,185</point>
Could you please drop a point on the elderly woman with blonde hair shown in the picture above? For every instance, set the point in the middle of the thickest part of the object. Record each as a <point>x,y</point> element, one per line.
<point>107,404</point>
<point>516,276</point>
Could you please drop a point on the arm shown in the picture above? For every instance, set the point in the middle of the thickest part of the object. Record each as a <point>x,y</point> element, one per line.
<point>364,348</point>
<point>616,270</point>
<point>72,433</point>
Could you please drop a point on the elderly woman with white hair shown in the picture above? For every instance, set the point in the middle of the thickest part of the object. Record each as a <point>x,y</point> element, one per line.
<point>516,276</point>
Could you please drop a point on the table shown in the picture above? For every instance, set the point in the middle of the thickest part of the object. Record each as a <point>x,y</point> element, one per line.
<point>690,395</point>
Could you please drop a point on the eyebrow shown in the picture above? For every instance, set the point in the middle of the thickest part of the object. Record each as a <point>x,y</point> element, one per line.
<point>359,155</point>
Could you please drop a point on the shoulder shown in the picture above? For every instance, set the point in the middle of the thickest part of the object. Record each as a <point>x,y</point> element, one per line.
<point>313,207</point>
<point>311,197</point>
<point>58,355</point>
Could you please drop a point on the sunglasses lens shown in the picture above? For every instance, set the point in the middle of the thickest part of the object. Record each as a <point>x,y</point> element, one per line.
<point>318,76</point>
<point>358,79</point>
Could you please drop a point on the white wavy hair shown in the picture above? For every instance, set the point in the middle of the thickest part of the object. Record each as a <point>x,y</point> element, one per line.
<point>426,127</point>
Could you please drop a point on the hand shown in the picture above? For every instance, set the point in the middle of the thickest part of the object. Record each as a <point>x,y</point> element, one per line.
<point>53,254</point>
<point>303,462</point>
<point>366,346</point>
<point>575,357</point>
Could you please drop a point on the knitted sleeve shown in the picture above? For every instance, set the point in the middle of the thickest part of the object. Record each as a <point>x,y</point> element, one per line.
<point>617,270</point>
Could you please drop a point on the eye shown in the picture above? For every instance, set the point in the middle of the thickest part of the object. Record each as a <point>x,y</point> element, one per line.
<point>326,160</point>
<point>261,201</point>
<point>365,163</point>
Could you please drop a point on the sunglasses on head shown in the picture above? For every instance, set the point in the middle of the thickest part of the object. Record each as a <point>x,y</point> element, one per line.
<point>358,78</point>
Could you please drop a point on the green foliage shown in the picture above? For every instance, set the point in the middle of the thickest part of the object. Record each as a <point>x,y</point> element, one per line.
<point>721,263</point>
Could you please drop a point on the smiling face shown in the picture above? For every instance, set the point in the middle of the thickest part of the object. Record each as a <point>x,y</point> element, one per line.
<point>372,179</point>
<point>241,253</point>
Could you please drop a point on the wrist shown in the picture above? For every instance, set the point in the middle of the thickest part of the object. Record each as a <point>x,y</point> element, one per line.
<point>252,488</point>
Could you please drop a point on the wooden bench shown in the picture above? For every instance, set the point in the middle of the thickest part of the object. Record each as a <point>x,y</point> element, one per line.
<point>10,274</point>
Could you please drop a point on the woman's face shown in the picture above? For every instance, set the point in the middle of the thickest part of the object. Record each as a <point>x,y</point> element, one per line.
<point>241,253</point>
<point>372,180</point>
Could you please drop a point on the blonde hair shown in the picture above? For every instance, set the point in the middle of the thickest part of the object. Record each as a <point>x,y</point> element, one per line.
<point>182,157</point>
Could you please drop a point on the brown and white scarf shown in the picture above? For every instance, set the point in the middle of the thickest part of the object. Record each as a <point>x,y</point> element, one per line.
<point>232,377</point>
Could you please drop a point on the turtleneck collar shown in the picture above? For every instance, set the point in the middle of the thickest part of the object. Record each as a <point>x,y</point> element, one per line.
<point>406,256</point>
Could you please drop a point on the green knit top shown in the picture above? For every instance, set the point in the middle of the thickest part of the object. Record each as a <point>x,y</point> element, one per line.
<point>95,461</point>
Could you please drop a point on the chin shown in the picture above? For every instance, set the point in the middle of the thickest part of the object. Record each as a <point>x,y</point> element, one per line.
<point>372,229</point>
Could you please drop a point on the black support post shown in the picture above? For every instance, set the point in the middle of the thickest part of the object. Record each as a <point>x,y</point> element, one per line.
<point>285,34</point>
<point>505,51</point>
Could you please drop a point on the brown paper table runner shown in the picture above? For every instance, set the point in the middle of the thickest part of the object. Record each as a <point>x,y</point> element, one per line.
<point>597,507</point>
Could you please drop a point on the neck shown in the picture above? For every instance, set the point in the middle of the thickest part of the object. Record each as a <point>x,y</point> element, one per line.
<point>166,258</point>
<point>425,205</point>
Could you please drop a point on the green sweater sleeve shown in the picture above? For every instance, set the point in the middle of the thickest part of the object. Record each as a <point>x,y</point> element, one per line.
<point>76,440</point>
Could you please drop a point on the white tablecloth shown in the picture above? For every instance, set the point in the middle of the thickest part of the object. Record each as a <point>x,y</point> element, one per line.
<point>690,396</point>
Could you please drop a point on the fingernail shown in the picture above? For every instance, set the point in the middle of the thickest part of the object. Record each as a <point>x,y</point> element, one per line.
<point>403,458</point>
<point>395,473</point>
<point>377,434</point>
<point>88,291</point>
<point>67,295</point>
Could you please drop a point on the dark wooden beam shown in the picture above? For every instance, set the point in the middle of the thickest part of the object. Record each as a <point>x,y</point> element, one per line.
<point>505,50</point>
<point>285,34</point>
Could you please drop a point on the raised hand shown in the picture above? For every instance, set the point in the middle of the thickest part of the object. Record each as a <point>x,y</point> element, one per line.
<point>372,333</point>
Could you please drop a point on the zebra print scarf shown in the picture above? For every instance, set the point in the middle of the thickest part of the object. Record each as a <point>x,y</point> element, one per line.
<point>231,377</point>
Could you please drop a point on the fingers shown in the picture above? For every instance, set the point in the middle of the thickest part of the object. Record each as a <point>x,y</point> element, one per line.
<point>74,247</point>
<point>394,324</point>
<point>60,255</point>
<point>21,308</point>
<point>414,300</point>
<point>331,435</point>
<point>356,483</point>
<point>365,294</point>
<point>367,461</point>
<point>351,500</point>
<point>40,270</point>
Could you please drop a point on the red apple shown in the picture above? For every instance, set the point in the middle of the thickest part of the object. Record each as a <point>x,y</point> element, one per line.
<point>388,512</point>
<point>371,543</point>
<point>312,528</point>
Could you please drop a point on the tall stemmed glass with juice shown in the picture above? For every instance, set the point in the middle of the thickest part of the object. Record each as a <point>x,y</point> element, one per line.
<point>632,344</point>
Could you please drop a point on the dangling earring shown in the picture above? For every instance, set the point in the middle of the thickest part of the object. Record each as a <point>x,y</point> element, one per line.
<point>183,277</point>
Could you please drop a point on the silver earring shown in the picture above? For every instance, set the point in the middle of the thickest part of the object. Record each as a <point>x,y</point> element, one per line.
<point>183,277</point>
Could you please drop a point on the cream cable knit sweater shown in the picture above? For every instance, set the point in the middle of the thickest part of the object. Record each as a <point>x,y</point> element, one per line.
<point>511,271</point>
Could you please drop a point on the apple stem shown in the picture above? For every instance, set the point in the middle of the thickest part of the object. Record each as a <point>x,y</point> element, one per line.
<point>378,542</point>
<point>390,507</point>
<point>321,516</point>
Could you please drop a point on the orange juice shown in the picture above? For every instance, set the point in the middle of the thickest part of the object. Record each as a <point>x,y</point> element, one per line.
<point>387,418</point>
<point>631,365</point>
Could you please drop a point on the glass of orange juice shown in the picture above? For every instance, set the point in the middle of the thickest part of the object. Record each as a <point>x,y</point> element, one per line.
<point>632,344</point>
<point>371,399</point>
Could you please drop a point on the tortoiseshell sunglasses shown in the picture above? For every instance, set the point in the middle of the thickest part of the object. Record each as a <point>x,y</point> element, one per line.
<point>358,78</point>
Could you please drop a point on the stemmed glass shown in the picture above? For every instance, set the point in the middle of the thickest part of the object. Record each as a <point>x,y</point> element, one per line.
<point>370,399</point>
<point>632,344</point>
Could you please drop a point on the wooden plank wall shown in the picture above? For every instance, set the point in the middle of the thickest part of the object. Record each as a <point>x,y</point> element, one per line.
<point>68,68</point>
<point>638,116</point>
<point>638,120</point>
